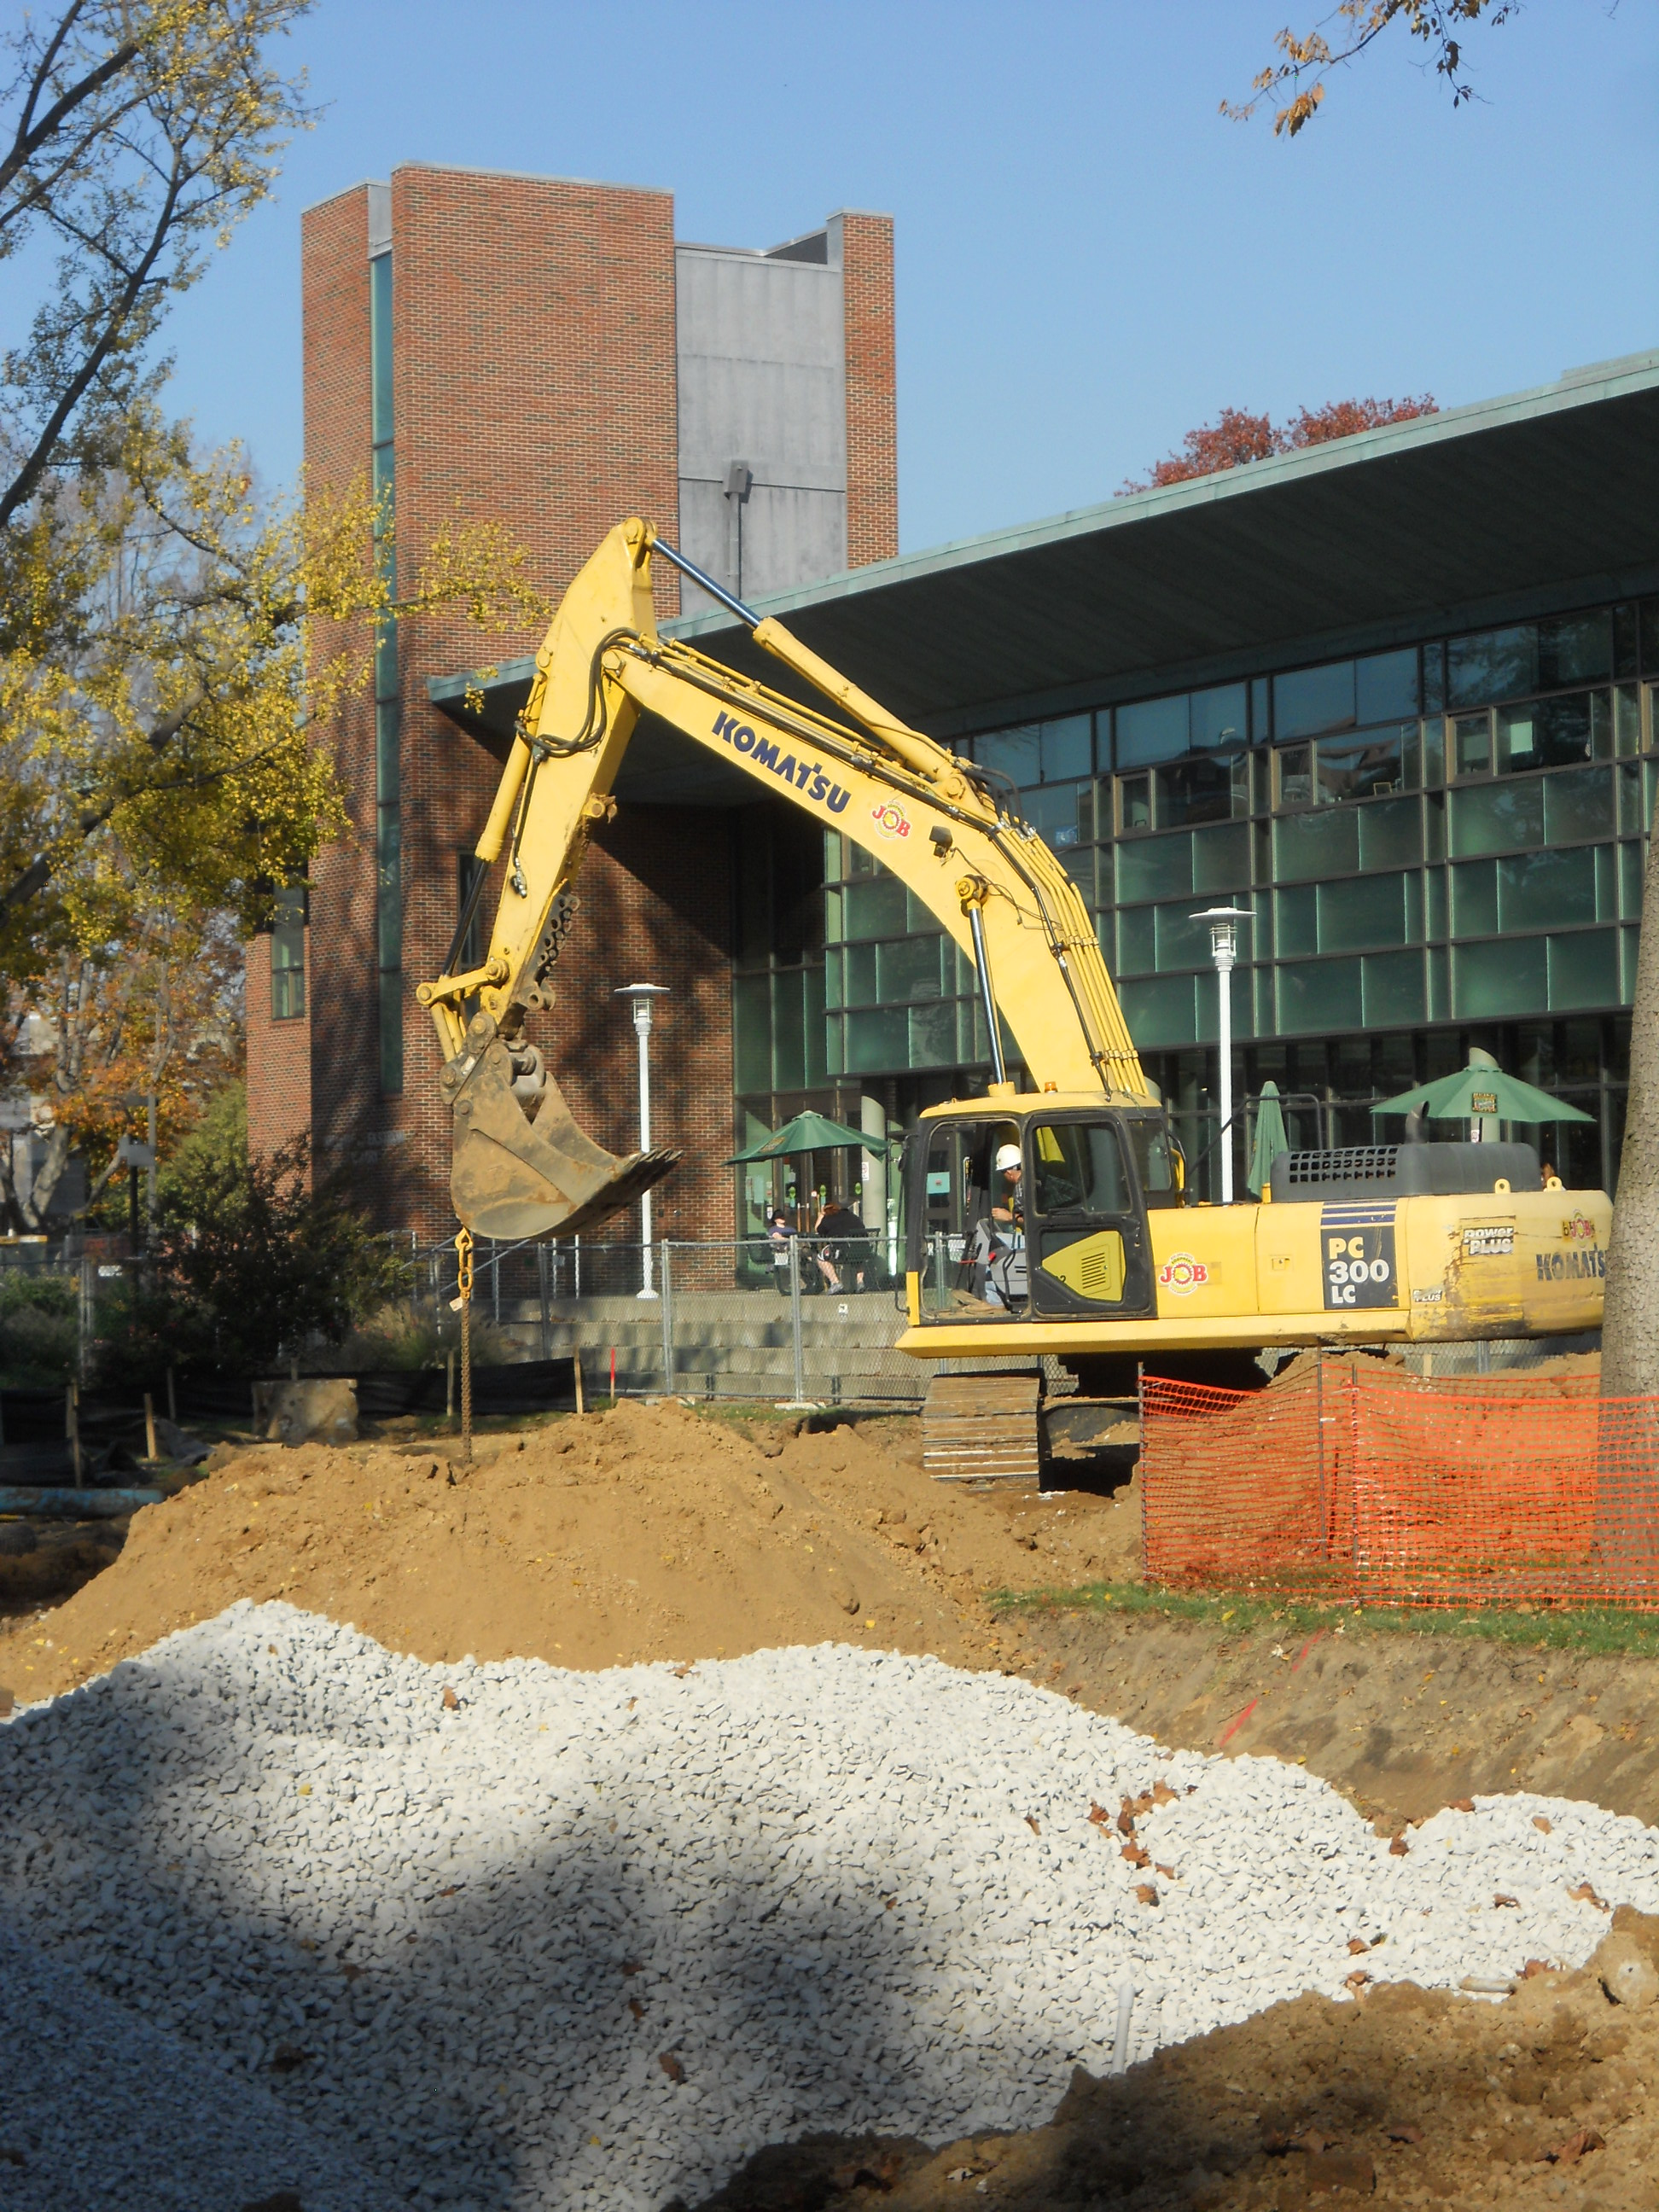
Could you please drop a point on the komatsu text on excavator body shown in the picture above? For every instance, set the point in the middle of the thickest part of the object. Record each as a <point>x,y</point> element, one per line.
<point>1389,1243</point>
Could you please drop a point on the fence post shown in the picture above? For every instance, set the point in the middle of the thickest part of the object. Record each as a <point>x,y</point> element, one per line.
<point>664,1248</point>
<point>547,1318</point>
<point>794,1319</point>
<point>88,1317</point>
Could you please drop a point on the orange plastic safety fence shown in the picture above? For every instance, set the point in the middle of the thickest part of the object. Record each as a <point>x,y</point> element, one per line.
<point>1351,1480</point>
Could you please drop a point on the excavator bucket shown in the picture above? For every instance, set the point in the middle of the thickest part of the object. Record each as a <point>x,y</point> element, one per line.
<point>513,1177</point>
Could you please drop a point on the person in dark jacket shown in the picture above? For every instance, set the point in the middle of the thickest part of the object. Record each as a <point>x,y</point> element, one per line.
<point>846,1248</point>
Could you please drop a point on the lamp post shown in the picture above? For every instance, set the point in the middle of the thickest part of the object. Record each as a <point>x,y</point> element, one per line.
<point>642,994</point>
<point>1224,922</point>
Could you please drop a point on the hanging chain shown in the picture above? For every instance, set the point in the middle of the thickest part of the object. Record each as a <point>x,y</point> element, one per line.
<point>464,1299</point>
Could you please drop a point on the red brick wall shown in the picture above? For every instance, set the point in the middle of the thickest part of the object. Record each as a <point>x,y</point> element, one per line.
<point>872,389</point>
<point>279,1073</point>
<point>655,908</point>
<point>336,1037</point>
<point>533,344</point>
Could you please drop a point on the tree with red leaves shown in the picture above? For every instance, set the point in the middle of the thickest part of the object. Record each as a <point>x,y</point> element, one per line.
<point>1235,437</point>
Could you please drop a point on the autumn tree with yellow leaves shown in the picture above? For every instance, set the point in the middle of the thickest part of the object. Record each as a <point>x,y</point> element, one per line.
<point>164,701</point>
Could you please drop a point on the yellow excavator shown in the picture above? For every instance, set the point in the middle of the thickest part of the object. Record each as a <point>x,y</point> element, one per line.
<point>1050,1220</point>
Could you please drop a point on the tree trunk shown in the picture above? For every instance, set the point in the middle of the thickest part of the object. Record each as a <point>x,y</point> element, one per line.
<point>1630,1327</point>
<point>47,1177</point>
<point>1626,1548</point>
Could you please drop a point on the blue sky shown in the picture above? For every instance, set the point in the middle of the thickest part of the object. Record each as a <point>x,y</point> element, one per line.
<point>1090,259</point>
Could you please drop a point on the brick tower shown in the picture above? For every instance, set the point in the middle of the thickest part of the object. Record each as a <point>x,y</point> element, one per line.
<point>541,353</point>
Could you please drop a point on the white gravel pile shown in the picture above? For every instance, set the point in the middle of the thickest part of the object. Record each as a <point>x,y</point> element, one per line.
<point>102,2108</point>
<point>587,1939</point>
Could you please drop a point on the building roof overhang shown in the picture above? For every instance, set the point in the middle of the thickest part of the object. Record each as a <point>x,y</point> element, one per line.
<point>1531,504</point>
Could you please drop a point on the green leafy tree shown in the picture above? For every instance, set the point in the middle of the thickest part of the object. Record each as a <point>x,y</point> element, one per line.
<point>251,1262</point>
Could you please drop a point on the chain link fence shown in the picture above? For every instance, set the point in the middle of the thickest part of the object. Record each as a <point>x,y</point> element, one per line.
<point>800,1318</point>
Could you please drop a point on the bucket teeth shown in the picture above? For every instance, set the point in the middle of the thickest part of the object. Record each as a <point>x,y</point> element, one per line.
<point>513,1177</point>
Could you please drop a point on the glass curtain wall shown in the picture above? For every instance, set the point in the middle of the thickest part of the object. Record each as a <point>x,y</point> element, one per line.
<point>1441,845</point>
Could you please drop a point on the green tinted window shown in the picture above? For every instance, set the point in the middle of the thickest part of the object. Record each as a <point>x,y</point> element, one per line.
<point>1319,994</point>
<point>1393,988</point>
<point>1182,942</point>
<point>862,975</point>
<point>1504,977</point>
<point>1154,868</point>
<point>751,1032</point>
<point>788,1032</point>
<point>1583,969</point>
<point>1371,910</point>
<point>907,968</point>
<point>1546,886</point>
<point>877,1040</point>
<point>1297,917</point>
<point>1221,859</point>
<point>875,908</point>
<point>1390,835</point>
<point>1578,804</point>
<point>1137,939</point>
<point>1161,1014</point>
<point>1491,817</point>
<point>934,1034</point>
<point>1474,899</point>
<point>1307,846</point>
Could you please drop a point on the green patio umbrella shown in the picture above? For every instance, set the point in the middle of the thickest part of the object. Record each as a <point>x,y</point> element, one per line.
<point>1270,1139</point>
<point>808,1133</point>
<point>1476,1093</point>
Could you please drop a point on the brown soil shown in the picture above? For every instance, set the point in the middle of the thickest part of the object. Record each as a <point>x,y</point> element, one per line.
<point>640,1533</point>
<point>66,1555</point>
<point>1408,2096</point>
<point>658,1533</point>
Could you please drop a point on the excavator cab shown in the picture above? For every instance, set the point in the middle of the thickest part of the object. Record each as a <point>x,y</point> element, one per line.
<point>1034,1209</point>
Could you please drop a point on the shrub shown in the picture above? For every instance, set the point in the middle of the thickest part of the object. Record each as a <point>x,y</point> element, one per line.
<point>40,1330</point>
<point>249,1263</point>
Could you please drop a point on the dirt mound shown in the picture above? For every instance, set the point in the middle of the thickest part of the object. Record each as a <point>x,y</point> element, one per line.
<point>1414,2095</point>
<point>640,1533</point>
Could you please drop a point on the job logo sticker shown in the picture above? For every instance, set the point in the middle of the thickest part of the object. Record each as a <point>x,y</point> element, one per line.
<point>1183,1274</point>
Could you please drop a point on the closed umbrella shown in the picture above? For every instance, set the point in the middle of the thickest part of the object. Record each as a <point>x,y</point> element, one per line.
<point>1270,1139</point>
<point>1475,1093</point>
<point>808,1133</point>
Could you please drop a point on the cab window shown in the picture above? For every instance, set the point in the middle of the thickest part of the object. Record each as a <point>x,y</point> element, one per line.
<point>1078,1168</point>
<point>1155,1161</point>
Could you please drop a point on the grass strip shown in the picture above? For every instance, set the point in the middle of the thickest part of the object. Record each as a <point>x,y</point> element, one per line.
<point>1601,1631</point>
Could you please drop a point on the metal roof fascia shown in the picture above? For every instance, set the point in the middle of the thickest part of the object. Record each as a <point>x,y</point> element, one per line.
<point>1635,373</point>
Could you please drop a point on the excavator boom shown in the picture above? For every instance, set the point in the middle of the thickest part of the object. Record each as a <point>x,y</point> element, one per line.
<point>521,1167</point>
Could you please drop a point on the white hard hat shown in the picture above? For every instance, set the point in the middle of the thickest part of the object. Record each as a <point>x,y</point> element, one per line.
<point>1007,1157</point>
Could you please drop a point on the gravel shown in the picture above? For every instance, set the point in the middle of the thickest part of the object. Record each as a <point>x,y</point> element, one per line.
<point>103,2109</point>
<point>562,1939</point>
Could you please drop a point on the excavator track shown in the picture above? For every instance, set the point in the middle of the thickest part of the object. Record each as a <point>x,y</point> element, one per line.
<point>984,1428</point>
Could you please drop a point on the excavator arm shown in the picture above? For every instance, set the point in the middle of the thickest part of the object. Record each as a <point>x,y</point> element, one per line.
<point>521,1167</point>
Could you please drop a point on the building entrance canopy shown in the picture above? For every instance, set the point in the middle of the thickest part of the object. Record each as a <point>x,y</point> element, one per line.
<point>1523,506</point>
